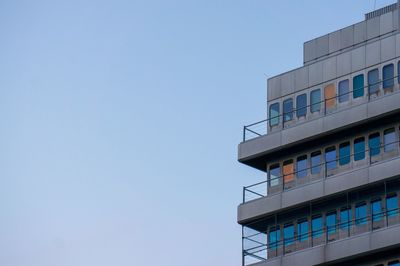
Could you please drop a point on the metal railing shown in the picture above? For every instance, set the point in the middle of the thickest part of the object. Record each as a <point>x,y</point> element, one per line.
<point>261,128</point>
<point>256,247</point>
<point>332,167</point>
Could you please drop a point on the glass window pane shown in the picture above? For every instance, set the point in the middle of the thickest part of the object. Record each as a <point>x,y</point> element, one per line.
<point>330,96</point>
<point>274,114</point>
<point>345,218</point>
<point>302,230</point>
<point>301,105</point>
<point>394,263</point>
<point>376,210</point>
<point>315,99</point>
<point>274,238</point>
<point>330,158</point>
<point>392,206</point>
<point>288,171</point>
<point>274,175</point>
<point>344,153</point>
<point>389,139</point>
<point>301,166</point>
<point>343,90</point>
<point>287,110</point>
<point>316,225</point>
<point>359,149</point>
<point>361,214</point>
<point>387,75</point>
<point>288,234</point>
<point>331,222</point>
<point>358,86</point>
<point>315,162</point>
<point>374,143</point>
<point>373,81</point>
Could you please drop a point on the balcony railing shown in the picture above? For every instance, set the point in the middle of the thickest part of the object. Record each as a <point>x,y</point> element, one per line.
<point>280,183</point>
<point>257,249</point>
<point>324,107</point>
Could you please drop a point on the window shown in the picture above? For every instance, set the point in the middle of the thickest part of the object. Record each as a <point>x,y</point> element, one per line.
<point>301,105</point>
<point>330,158</point>
<point>274,237</point>
<point>315,99</point>
<point>345,218</point>
<point>376,210</point>
<point>359,149</point>
<point>330,96</point>
<point>394,263</point>
<point>302,230</point>
<point>374,143</point>
<point>274,114</point>
<point>316,224</point>
<point>274,175</point>
<point>358,86</point>
<point>373,81</point>
<point>387,75</point>
<point>331,222</point>
<point>287,110</point>
<point>315,162</point>
<point>301,166</point>
<point>288,234</point>
<point>361,213</point>
<point>344,91</point>
<point>344,153</point>
<point>392,206</point>
<point>389,140</point>
<point>288,171</point>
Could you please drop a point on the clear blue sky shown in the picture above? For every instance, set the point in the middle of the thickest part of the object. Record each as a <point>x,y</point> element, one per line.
<point>119,123</point>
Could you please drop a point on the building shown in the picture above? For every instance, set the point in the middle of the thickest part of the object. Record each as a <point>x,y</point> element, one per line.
<point>330,150</point>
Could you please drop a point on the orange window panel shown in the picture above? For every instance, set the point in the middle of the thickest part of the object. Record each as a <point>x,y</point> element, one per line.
<point>330,95</point>
<point>288,172</point>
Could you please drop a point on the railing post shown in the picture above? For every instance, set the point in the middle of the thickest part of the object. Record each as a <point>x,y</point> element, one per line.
<point>244,133</point>
<point>244,191</point>
<point>243,260</point>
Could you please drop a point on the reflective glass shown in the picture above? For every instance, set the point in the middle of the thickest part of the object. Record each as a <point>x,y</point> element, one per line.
<point>361,214</point>
<point>301,105</point>
<point>330,96</point>
<point>392,206</point>
<point>315,99</point>
<point>358,86</point>
<point>317,226</point>
<point>359,149</point>
<point>387,76</point>
<point>301,166</point>
<point>274,114</point>
<point>345,218</point>
<point>274,175</point>
<point>388,139</point>
<point>274,237</point>
<point>343,90</point>
<point>331,222</point>
<point>287,110</point>
<point>315,162</point>
<point>302,230</point>
<point>376,210</point>
<point>288,234</point>
<point>344,153</point>
<point>373,81</point>
<point>330,158</point>
<point>374,143</point>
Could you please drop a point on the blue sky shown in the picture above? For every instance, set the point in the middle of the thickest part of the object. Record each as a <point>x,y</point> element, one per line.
<point>120,122</point>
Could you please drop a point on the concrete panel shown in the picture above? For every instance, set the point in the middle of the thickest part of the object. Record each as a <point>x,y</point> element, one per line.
<point>360,32</point>
<point>312,256</point>
<point>258,207</point>
<point>322,46</point>
<point>343,64</point>
<point>302,194</point>
<point>258,145</point>
<point>383,105</point>
<point>315,74</point>
<point>344,117</point>
<point>397,45</point>
<point>373,27</point>
<point>287,83</point>
<point>334,41</point>
<point>386,169</point>
<point>347,247</point>
<point>301,78</point>
<point>310,51</point>
<point>385,237</point>
<point>346,181</point>
<point>329,68</point>
<point>395,14</point>
<point>306,130</point>
<point>358,59</point>
<point>388,48</point>
<point>373,53</point>
<point>270,262</point>
<point>346,37</point>
<point>386,23</point>
<point>274,88</point>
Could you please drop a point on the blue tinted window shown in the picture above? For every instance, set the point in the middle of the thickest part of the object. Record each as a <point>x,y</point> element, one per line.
<point>345,218</point>
<point>274,114</point>
<point>287,110</point>
<point>317,226</point>
<point>330,158</point>
<point>359,149</point>
<point>344,153</point>
<point>388,76</point>
<point>274,238</point>
<point>361,214</point>
<point>301,166</point>
<point>331,223</point>
<point>343,90</point>
<point>358,86</point>
<point>376,210</point>
<point>389,139</point>
<point>315,100</point>
<point>392,206</point>
<point>274,175</point>
<point>394,263</point>
<point>315,162</point>
<point>288,234</point>
<point>373,81</point>
<point>374,143</point>
<point>302,230</point>
<point>301,105</point>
